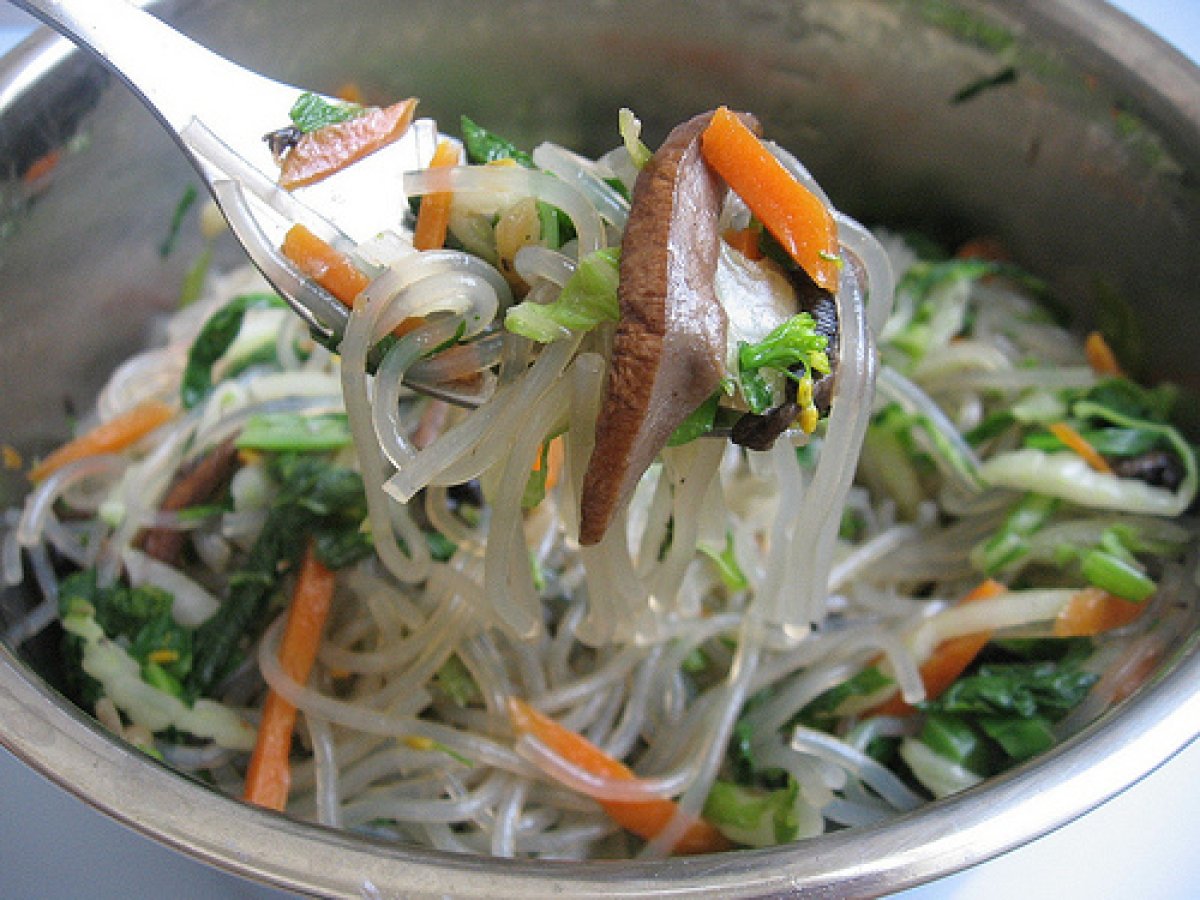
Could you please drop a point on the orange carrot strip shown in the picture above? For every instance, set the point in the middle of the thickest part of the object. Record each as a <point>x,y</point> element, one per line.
<point>269,775</point>
<point>645,818</point>
<point>112,436</point>
<point>790,211</point>
<point>1100,355</point>
<point>1093,611</point>
<point>948,660</point>
<point>1076,441</point>
<point>324,264</point>
<point>745,241</point>
<point>434,216</point>
<point>327,150</point>
<point>331,269</point>
<point>554,462</point>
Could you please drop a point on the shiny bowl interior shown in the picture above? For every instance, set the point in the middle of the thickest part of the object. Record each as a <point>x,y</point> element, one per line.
<point>1057,125</point>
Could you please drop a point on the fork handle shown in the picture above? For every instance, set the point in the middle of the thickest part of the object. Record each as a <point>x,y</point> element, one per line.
<point>177,78</point>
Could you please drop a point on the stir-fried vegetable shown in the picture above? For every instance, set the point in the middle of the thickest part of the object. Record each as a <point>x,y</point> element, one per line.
<point>214,341</point>
<point>116,434</point>
<point>949,660</point>
<point>434,215</point>
<point>268,775</point>
<point>336,144</point>
<point>588,298</point>
<point>317,500</point>
<point>322,263</point>
<point>790,211</point>
<point>645,818</point>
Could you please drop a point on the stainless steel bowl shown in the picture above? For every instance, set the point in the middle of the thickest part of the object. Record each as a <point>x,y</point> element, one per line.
<point>1058,125</point>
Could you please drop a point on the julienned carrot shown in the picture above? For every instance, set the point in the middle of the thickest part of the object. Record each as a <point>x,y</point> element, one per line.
<point>1076,441</point>
<point>555,457</point>
<point>269,774</point>
<point>324,264</point>
<point>790,211</point>
<point>434,216</point>
<point>948,660</point>
<point>331,269</point>
<point>116,434</point>
<point>1100,355</point>
<point>645,818</point>
<point>1093,611</point>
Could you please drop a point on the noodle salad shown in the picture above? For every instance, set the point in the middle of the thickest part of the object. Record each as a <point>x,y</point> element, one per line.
<point>705,531</point>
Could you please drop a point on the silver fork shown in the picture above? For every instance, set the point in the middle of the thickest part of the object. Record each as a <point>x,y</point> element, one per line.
<point>219,112</point>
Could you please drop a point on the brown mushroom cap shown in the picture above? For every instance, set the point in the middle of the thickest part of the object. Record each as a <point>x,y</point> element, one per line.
<point>668,353</point>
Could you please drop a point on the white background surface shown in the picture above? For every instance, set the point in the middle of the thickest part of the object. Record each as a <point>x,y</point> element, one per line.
<point>1144,844</point>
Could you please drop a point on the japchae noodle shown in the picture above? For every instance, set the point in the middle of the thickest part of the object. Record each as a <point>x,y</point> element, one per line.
<point>752,632</point>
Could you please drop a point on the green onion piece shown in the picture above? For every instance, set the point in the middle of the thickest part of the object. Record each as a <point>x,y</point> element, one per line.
<point>1116,575</point>
<point>951,737</point>
<point>630,127</point>
<point>753,817</point>
<point>1020,738</point>
<point>295,431</point>
<point>1010,543</point>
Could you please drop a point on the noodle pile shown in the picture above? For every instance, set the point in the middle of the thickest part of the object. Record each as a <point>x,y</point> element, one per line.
<point>737,589</point>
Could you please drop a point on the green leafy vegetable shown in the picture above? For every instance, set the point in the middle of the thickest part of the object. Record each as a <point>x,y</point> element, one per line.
<point>953,737</point>
<point>1003,713</point>
<point>214,339</point>
<point>754,817</point>
<point>312,111</point>
<point>794,344</point>
<point>1121,395</point>
<point>588,298</point>
<point>186,202</point>
<point>316,498</point>
<point>1090,409</point>
<point>1117,442</point>
<point>1020,689</point>
<point>1019,738</point>
<point>826,708</point>
<point>699,422</point>
<point>138,616</point>
<point>484,146</point>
